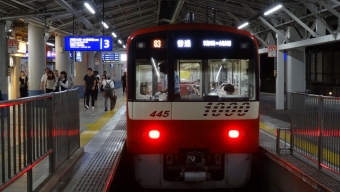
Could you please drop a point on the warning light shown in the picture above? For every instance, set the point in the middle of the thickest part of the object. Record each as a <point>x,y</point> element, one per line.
<point>234,134</point>
<point>154,134</point>
<point>157,43</point>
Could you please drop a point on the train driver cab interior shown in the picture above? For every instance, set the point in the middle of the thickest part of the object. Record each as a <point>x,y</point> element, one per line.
<point>197,80</point>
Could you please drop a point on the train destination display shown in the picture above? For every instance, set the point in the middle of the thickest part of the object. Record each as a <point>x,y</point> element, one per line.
<point>88,43</point>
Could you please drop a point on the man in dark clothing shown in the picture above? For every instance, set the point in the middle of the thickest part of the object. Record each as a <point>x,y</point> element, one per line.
<point>123,80</point>
<point>89,88</point>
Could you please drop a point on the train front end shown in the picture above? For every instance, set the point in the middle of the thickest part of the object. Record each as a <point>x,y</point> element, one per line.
<point>193,106</point>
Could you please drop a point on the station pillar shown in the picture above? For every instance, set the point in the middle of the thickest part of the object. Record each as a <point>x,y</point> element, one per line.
<point>36,58</point>
<point>295,72</point>
<point>99,67</point>
<point>79,73</point>
<point>280,75</point>
<point>107,69</point>
<point>90,60</point>
<point>62,59</point>
<point>4,62</point>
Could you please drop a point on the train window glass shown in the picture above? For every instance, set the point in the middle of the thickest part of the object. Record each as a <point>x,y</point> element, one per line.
<point>234,78</point>
<point>190,75</point>
<point>149,80</point>
<point>217,79</point>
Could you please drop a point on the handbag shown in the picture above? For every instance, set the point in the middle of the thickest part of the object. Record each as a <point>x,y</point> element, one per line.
<point>23,85</point>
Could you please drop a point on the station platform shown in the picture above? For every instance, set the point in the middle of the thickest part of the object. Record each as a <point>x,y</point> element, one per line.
<point>93,134</point>
<point>103,136</point>
<point>295,163</point>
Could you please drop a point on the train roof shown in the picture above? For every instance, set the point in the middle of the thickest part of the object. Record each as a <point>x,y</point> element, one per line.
<point>184,26</point>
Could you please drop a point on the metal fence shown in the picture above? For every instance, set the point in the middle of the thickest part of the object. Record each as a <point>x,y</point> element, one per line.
<point>315,128</point>
<point>35,128</point>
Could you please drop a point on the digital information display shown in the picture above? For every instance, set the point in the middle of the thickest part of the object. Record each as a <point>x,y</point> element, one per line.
<point>158,43</point>
<point>78,56</point>
<point>88,43</point>
<point>183,43</point>
<point>216,43</point>
<point>110,57</point>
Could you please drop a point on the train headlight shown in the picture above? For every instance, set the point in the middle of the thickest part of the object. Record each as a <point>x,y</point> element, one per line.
<point>154,134</point>
<point>234,134</point>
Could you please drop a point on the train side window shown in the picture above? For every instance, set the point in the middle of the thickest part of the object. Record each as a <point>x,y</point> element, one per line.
<point>149,81</point>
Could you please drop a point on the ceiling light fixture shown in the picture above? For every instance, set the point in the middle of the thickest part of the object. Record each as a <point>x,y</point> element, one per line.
<point>119,41</point>
<point>124,46</point>
<point>50,44</point>
<point>243,25</point>
<point>114,34</point>
<point>105,25</point>
<point>277,7</point>
<point>88,6</point>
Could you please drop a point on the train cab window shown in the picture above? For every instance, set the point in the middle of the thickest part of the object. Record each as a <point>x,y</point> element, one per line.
<point>233,79</point>
<point>217,79</point>
<point>149,80</point>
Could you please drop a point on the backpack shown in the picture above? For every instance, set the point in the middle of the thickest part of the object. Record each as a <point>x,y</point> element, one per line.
<point>107,89</point>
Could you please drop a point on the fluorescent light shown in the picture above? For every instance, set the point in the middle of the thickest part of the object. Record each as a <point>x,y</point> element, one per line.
<point>50,44</point>
<point>124,46</point>
<point>154,66</point>
<point>119,41</point>
<point>27,42</point>
<point>243,25</point>
<point>277,7</point>
<point>105,25</point>
<point>88,6</point>
<point>218,73</point>
<point>114,34</point>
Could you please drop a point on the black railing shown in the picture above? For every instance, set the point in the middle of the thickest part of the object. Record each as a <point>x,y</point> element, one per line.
<point>35,128</point>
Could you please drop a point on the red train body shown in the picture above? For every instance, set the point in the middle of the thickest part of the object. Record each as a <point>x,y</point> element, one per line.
<point>205,136</point>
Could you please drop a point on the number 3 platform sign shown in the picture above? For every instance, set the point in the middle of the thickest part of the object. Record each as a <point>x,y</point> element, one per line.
<point>88,43</point>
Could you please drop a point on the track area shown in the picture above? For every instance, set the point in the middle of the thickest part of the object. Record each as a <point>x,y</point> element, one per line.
<point>124,178</point>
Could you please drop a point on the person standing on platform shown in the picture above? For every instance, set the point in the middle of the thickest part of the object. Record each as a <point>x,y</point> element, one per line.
<point>123,82</point>
<point>108,86</point>
<point>89,88</point>
<point>57,79</point>
<point>101,85</point>
<point>23,84</point>
<point>63,81</point>
<point>43,80</point>
<point>50,82</point>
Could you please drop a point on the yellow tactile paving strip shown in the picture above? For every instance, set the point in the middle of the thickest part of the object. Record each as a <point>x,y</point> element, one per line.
<point>300,143</point>
<point>94,128</point>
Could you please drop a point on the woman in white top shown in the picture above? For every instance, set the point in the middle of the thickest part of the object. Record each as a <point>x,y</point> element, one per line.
<point>63,81</point>
<point>50,82</point>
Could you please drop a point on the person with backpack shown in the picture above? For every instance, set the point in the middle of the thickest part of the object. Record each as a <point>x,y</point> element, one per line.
<point>108,86</point>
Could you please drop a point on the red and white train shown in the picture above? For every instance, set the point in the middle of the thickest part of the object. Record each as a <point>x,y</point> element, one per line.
<point>205,137</point>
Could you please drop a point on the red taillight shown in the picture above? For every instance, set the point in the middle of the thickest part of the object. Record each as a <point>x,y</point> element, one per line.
<point>234,134</point>
<point>154,134</point>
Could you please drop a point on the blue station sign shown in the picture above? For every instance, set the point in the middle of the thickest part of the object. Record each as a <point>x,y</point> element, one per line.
<point>88,43</point>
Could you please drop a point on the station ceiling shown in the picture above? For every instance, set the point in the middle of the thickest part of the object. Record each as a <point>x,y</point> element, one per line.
<point>71,17</point>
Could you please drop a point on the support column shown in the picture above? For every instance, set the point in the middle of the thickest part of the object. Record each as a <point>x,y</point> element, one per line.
<point>90,57</point>
<point>99,67</point>
<point>62,59</point>
<point>280,79</point>
<point>4,62</point>
<point>36,58</point>
<point>79,73</point>
<point>117,75</point>
<point>295,72</point>
<point>107,69</point>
